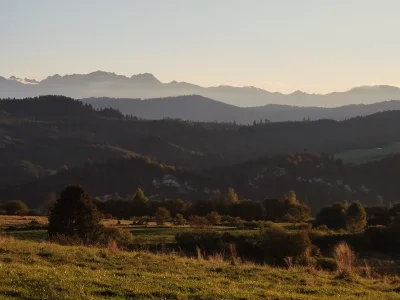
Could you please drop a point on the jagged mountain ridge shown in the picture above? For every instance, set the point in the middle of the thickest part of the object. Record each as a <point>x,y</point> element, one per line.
<point>143,86</point>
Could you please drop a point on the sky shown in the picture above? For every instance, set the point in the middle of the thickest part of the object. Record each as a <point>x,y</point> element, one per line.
<point>317,46</point>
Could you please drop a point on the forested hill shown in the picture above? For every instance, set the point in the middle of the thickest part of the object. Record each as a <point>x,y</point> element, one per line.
<point>46,136</point>
<point>318,180</point>
<point>54,131</point>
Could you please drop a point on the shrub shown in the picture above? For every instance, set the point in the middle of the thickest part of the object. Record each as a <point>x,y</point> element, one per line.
<point>271,244</point>
<point>323,227</point>
<point>66,240</point>
<point>197,221</point>
<point>233,221</point>
<point>288,218</point>
<point>75,214</point>
<point>121,237</point>
<point>162,215</point>
<point>139,196</point>
<point>214,218</point>
<point>277,243</point>
<point>179,220</point>
<point>207,240</point>
<point>252,224</point>
<point>239,222</point>
<point>326,263</point>
<point>356,217</point>
<point>15,207</point>
<point>334,217</point>
<point>345,257</point>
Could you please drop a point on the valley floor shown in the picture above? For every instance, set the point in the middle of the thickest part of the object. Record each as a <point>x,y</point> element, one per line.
<point>39,270</point>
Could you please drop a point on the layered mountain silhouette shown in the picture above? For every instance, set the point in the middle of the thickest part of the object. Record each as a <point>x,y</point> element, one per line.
<point>198,108</point>
<point>143,86</point>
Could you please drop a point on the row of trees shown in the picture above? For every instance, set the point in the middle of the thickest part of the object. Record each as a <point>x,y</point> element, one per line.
<point>287,209</point>
<point>75,214</point>
<point>354,217</point>
<point>343,215</point>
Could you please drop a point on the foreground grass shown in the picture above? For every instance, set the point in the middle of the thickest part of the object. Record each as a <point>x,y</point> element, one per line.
<point>32,270</point>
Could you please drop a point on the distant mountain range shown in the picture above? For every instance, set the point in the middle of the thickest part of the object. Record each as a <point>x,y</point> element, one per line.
<point>144,86</point>
<point>198,108</point>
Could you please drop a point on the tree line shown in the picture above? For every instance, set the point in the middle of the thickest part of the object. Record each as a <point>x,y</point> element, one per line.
<point>75,218</point>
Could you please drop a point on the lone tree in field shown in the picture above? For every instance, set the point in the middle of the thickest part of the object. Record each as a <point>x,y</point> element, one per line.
<point>139,202</point>
<point>179,220</point>
<point>356,217</point>
<point>139,196</point>
<point>15,207</point>
<point>162,215</point>
<point>74,214</point>
<point>214,218</point>
<point>231,197</point>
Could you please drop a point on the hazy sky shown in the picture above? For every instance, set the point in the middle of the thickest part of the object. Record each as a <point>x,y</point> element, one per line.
<point>316,46</point>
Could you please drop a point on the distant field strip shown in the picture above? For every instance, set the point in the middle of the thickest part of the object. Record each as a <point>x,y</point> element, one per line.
<point>358,156</point>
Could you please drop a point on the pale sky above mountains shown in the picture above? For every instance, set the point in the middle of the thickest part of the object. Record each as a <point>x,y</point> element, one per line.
<point>311,45</point>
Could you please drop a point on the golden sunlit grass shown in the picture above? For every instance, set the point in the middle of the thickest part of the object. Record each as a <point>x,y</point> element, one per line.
<point>6,221</point>
<point>33,270</point>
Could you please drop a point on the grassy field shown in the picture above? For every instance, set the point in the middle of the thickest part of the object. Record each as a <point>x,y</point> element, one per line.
<point>142,235</point>
<point>32,270</point>
<point>6,221</point>
<point>358,156</point>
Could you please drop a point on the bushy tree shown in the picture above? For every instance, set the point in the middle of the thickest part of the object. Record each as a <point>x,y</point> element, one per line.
<point>198,222</point>
<point>356,217</point>
<point>278,243</point>
<point>162,215</point>
<point>179,220</point>
<point>139,201</point>
<point>231,197</point>
<point>139,196</point>
<point>15,207</point>
<point>289,209</point>
<point>122,237</point>
<point>291,197</point>
<point>74,214</point>
<point>214,218</point>
<point>334,216</point>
